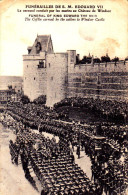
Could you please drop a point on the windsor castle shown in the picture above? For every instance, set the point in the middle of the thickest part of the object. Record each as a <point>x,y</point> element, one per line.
<point>62,75</point>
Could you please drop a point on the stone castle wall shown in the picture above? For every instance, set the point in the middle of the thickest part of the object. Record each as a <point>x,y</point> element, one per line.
<point>61,77</point>
<point>35,79</point>
<point>107,81</point>
<point>57,67</point>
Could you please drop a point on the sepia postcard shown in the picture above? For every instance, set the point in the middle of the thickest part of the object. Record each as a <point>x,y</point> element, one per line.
<point>63,97</point>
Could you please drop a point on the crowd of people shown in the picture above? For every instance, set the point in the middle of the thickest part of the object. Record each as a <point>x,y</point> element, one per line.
<point>110,109</point>
<point>108,153</point>
<point>109,167</point>
<point>45,119</point>
<point>52,163</point>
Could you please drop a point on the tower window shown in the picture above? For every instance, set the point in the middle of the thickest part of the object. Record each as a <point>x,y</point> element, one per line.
<point>34,78</point>
<point>38,47</point>
<point>27,66</point>
<point>49,65</point>
<point>41,64</point>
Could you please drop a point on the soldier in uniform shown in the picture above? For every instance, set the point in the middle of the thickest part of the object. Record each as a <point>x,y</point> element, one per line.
<point>78,151</point>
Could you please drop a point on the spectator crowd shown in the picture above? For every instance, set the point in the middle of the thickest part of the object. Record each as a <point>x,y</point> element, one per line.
<point>53,163</point>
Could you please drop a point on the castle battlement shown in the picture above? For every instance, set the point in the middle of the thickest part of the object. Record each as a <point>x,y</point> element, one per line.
<point>57,75</point>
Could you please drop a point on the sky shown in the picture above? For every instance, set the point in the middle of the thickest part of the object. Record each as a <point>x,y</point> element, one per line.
<point>97,37</point>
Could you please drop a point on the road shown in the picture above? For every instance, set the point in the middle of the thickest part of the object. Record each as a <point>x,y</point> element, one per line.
<point>12,180</point>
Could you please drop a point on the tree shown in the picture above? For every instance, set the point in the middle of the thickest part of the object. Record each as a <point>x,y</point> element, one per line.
<point>83,61</point>
<point>105,59</point>
<point>96,60</point>
<point>116,59</point>
<point>25,99</point>
<point>40,100</point>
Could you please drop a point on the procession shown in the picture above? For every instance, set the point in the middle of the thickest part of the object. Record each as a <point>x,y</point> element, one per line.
<point>64,98</point>
<point>55,159</point>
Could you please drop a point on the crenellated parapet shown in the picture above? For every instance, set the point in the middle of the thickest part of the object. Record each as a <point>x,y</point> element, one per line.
<point>60,75</point>
<point>104,80</point>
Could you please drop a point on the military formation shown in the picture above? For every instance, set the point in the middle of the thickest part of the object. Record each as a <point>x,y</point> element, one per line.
<point>53,162</point>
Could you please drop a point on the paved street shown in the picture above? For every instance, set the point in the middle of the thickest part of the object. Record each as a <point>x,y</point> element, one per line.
<point>12,180</point>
